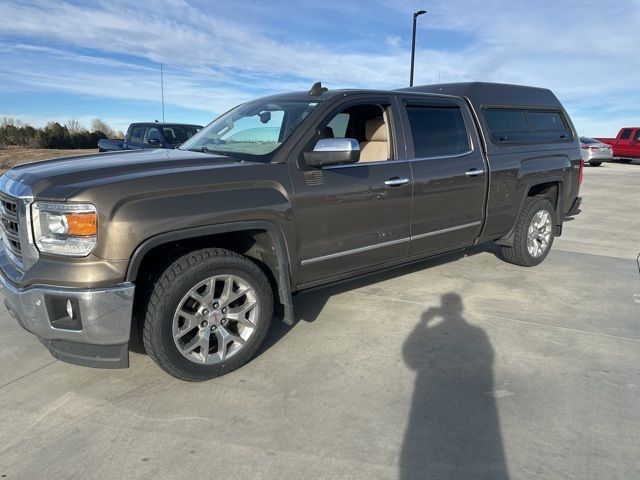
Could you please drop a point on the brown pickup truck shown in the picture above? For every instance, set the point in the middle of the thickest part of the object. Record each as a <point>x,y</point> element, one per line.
<point>199,247</point>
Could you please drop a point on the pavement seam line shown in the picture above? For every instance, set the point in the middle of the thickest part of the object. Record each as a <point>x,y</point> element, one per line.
<point>526,322</point>
<point>27,374</point>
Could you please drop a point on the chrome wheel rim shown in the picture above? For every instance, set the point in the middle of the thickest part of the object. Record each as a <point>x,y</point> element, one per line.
<point>539,233</point>
<point>215,319</point>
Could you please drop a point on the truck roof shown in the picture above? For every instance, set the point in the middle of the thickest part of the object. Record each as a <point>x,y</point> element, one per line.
<point>483,93</point>
<point>479,94</point>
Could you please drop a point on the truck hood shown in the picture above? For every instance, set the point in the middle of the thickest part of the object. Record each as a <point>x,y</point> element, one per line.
<point>59,178</point>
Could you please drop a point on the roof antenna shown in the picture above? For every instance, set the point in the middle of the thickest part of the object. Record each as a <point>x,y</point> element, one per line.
<point>317,89</point>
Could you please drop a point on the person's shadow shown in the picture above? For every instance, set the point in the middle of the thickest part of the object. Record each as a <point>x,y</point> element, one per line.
<point>453,430</point>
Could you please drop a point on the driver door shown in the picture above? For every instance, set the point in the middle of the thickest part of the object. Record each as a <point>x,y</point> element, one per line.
<point>352,217</point>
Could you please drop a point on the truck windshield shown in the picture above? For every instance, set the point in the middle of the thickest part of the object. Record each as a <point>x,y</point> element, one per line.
<point>256,128</point>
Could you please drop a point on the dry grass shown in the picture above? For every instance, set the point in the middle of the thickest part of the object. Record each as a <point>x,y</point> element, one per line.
<point>11,156</point>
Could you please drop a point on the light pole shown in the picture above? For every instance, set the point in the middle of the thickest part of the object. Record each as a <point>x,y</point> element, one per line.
<point>413,43</point>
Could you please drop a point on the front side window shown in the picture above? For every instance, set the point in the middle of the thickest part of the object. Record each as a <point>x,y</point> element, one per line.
<point>136,134</point>
<point>437,131</point>
<point>254,129</point>
<point>367,123</point>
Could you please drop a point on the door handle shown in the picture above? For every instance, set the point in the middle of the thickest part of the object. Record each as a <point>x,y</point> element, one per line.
<point>396,181</point>
<point>474,172</point>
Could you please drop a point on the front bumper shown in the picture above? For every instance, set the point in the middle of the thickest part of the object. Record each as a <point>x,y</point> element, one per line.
<point>97,332</point>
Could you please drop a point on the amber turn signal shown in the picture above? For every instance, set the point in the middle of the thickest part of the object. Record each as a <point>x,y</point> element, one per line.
<point>81,224</point>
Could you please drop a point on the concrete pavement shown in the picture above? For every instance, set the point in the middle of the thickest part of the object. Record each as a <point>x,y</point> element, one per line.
<point>457,368</point>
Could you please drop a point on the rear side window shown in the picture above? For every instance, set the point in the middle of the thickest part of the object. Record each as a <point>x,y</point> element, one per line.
<point>625,134</point>
<point>514,125</point>
<point>507,120</point>
<point>437,131</point>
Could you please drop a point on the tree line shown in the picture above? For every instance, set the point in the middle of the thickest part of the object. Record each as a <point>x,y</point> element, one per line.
<point>54,135</point>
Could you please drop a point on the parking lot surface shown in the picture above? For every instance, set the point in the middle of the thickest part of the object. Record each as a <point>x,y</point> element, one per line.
<point>455,368</point>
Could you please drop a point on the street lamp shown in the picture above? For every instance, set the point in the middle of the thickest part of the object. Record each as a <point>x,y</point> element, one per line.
<point>413,43</point>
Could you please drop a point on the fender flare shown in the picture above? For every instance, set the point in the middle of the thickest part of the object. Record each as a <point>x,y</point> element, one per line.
<point>507,240</point>
<point>283,274</point>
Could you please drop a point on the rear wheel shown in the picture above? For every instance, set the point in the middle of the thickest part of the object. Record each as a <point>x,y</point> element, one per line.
<point>207,314</point>
<point>595,164</point>
<point>534,233</point>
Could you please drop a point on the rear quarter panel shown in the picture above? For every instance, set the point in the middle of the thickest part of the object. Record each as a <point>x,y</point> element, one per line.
<point>515,169</point>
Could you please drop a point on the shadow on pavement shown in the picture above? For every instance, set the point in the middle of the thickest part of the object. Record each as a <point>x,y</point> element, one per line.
<point>453,430</point>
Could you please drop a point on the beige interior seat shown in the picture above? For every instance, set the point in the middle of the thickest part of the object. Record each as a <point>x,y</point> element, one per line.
<point>376,146</point>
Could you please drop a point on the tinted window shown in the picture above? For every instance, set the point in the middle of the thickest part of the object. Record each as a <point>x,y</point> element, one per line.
<point>502,120</point>
<point>513,125</point>
<point>437,131</point>
<point>152,132</point>
<point>587,140</point>
<point>625,134</point>
<point>136,134</point>
<point>338,125</point>
<point>179,133</point>
<point>637,137</point>
<point>546,121</point>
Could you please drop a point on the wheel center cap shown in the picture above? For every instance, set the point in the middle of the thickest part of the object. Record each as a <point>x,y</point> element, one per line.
<point>216,317</point>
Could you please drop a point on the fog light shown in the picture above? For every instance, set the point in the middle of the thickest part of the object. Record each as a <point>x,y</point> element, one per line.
<point>64,313</point>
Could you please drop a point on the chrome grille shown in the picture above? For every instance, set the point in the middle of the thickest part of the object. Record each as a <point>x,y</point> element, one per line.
<point>10,225</point>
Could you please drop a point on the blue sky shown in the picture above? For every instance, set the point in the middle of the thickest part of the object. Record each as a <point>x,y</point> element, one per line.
<point>80,60</point>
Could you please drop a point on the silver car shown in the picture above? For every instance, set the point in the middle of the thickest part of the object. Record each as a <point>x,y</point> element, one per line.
<point>595,152</point>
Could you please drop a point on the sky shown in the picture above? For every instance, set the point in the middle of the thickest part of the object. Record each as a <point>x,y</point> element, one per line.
<point>68,59</point>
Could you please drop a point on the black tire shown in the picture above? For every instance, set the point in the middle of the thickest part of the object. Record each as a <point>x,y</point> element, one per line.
<point>595,164</point>
<point>518,254</point>
<point>170,288</point>
<point>626,160</point>
<point>101,150</point>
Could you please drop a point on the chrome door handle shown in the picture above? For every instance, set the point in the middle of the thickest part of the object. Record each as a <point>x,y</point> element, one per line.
<point>396,182</point>
<point>474,172</point>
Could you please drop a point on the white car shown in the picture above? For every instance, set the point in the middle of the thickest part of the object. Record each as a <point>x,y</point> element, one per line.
<point>595,152</point>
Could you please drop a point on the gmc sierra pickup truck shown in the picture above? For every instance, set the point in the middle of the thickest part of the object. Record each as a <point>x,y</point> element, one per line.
<point>626,146</point>
<point>199,247</point>
<point>150,135</point>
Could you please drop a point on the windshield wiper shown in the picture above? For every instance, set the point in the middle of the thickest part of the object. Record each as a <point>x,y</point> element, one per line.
<point>208,150</point>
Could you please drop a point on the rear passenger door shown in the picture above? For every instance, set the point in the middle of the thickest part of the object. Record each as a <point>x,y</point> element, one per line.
<point>449,172</point>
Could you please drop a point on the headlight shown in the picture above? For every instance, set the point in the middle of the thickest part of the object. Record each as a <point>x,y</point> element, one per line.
<point>65,228</point>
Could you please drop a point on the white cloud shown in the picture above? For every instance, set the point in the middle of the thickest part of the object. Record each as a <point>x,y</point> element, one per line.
<point>394,41</point>
<point>216,62</point>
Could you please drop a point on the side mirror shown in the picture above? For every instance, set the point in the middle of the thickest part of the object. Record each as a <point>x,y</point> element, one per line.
<point>333,151</point>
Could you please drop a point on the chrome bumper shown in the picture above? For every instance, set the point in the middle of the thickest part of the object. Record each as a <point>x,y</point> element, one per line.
<point>97,332</point>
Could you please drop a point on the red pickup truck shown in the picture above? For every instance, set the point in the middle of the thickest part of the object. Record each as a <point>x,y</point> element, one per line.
<point>626,145</point>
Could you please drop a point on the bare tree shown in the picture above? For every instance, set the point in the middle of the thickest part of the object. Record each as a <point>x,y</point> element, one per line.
<point>100,125</point>
<point>75,127</point>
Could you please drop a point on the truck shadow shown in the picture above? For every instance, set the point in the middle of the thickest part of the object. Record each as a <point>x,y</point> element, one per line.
<point>453,429</point>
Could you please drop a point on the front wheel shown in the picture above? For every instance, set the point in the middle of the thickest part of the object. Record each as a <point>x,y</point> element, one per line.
<point>207,314</point>
<point>534,233</point>
<point>595,164</point>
